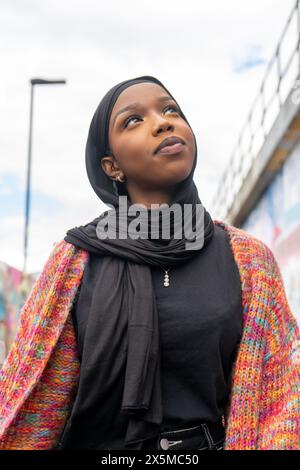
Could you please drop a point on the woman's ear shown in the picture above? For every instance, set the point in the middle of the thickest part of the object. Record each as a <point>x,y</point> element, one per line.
<point>110,167</point>
<point>107,165</point>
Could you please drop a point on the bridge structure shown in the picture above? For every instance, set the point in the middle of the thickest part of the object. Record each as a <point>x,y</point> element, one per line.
<point>260,188</point>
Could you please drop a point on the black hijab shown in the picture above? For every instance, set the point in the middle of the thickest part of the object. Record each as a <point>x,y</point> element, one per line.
<point>127,267</point>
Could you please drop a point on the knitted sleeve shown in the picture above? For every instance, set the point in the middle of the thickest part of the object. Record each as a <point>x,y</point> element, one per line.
<point>279,415</point>
<point>40,372</point>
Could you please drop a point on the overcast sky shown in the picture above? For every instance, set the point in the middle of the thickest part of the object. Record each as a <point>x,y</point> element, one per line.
<point>211,55</point>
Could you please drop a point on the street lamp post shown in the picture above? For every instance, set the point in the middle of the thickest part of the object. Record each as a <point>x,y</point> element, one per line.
<point>33,82</point>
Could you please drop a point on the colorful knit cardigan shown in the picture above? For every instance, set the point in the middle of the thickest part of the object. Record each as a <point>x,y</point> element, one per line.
<point>39,377</point>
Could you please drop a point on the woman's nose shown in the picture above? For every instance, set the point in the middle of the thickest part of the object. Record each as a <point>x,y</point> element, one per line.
<point>163,125</point>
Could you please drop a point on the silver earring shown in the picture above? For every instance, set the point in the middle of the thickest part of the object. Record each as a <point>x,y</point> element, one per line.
<point>119,179</point>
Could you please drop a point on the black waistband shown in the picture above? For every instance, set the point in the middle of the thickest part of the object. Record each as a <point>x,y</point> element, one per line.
<point>216,429</point>
<point>190,435</point>
<point>208,430</point>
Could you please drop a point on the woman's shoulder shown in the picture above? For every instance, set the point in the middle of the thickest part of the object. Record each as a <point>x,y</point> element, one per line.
<point>64,247</point>
<point>64,254</point>
<point>248,247</point>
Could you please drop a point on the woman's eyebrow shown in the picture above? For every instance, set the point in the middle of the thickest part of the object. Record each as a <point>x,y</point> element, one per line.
<point>136,105</point>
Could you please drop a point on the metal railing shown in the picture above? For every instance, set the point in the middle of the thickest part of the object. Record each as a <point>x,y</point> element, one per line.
<point>283,68</point>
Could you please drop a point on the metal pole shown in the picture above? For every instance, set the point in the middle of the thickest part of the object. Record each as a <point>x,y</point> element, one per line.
<point>33,81</point>
<point>28,185</point>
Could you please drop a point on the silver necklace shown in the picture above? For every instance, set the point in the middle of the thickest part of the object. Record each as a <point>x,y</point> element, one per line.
<point>166,278</point>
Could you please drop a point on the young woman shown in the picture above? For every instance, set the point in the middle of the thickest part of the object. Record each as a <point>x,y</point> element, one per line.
<point>141,343</point>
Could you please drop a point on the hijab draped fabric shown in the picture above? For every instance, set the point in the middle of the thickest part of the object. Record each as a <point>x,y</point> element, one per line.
<point>131,293</point>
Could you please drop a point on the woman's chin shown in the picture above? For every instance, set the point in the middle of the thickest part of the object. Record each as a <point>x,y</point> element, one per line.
<point>181,174</point>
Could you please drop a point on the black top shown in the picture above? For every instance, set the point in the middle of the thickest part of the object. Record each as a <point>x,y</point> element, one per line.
<point>200,330</point>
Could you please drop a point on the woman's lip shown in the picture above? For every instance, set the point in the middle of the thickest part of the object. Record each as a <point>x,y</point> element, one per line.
<point>171,149</point>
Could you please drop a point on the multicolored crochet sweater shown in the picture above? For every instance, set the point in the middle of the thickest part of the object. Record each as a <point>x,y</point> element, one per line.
<point>39,378</point>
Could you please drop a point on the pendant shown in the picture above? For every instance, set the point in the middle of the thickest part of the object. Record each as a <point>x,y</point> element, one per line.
<point>167,279</point>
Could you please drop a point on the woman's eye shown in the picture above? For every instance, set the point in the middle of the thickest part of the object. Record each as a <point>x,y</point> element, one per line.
<point>172,107</point>
<point>127,121</point>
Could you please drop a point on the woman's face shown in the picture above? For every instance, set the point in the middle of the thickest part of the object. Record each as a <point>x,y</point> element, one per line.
<point>134,135</point>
